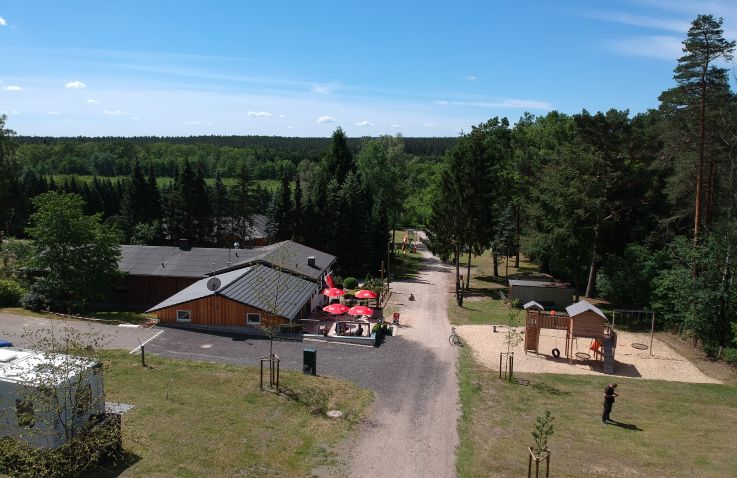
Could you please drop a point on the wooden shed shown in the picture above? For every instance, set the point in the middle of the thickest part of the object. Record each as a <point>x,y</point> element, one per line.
<point>548,294</point>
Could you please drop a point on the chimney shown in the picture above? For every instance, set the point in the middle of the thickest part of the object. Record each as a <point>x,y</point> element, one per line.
<point>184,245</point>
<point>311,261</point>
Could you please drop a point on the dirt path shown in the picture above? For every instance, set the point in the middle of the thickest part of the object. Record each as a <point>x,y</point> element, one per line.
<point>412,432</point>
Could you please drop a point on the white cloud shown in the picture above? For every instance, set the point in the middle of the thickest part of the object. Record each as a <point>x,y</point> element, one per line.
<point>320,89</point>
<point>363,123</point>
<point>508,103</point>
<point>192,123</point>
<point>428,125</point>
<point>69,120</point>
<point>259,114</point>
<point>54,113</point>
<point>116,113</point>
<point>13,88</point>
<point>642,21</point>
<point>326,119</point>
<point>654,46</point>
<point>398,126</point>
<point>3,22</point>
<point>470,77</point>
<point>75,85</point>
<point>135,118</point>
<point>282,116</point>
<point>92,102</point>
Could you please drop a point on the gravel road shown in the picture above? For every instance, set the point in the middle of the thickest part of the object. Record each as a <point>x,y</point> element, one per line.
<point>412,431</point>
<point>19,330</point>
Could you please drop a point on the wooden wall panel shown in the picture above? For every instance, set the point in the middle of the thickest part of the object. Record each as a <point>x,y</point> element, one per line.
<point>588,324</point>
<point>216,310</point>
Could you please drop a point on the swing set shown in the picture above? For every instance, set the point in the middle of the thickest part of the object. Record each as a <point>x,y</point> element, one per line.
<point>582,320</point>
<point>633,320</point>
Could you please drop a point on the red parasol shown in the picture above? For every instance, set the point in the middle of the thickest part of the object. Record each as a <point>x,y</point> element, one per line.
<point>360,310</point>
<point>365,294</point>
<point>333,292</point>
<point>336,309</point>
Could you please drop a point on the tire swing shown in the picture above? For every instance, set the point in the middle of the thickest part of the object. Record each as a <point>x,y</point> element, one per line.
<point>638,345</point>
<point>581,355</point>
<point>556,350</point>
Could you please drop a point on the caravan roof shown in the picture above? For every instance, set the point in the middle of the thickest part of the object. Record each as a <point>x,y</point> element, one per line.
<point>27,366</point>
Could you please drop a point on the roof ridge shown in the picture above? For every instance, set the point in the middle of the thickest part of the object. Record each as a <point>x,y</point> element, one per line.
<point>245,270</point>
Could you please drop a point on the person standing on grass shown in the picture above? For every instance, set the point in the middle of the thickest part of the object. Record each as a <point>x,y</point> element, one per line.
<point>609,394</point>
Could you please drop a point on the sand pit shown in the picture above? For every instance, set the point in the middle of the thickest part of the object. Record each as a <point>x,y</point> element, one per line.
<point>663,364</point>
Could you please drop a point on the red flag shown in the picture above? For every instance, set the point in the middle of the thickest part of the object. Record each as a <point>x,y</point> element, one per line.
<point>329,281</point>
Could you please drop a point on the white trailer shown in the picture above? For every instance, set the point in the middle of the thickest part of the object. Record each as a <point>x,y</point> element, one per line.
<point>45,399</point>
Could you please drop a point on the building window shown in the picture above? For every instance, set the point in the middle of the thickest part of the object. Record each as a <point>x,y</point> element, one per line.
<point>253,319</point>
<point>184,315</point>
<point>24,413</point>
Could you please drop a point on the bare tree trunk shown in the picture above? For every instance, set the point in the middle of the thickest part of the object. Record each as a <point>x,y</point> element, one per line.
<point>506,263</point>
<point>591,284</point>
<point>710,193</point>
<point>495,261</point>
<point>459,289</point>
<point>575,279</point>
<point>468,271</point>
<point>516,236</point>
<point>700,166</point>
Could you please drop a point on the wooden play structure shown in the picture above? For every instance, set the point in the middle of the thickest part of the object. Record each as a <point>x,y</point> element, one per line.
<point>582,320</point>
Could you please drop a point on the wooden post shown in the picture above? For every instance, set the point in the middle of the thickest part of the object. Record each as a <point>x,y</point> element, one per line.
<point>652,331</point>
<point>143,357</point>
<point>511,366</point>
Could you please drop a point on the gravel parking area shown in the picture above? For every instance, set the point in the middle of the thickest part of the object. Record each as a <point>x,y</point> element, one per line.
<point>663,364</point>
<point>19,329</point>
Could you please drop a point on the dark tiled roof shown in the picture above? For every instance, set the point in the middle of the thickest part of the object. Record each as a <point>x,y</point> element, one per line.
<point>535,283</point>
<point>174,262</point>
<point>259,286</point>
<point>259,227</point>
<point>291,256</point>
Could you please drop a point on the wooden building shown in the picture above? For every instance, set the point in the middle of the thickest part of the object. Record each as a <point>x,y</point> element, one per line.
<point>153,273</point>
<point>254,296</point>
<point>549,294</point>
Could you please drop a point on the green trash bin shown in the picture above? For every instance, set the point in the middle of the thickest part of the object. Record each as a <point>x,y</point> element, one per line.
<point>309,362</point>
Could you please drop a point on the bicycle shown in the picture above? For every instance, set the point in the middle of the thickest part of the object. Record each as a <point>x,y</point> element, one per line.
<point>454,339</point>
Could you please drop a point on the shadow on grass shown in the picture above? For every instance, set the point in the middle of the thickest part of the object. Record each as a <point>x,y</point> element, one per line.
<point>549,389</point>
<point>121,465</point>
<point>626,426</point>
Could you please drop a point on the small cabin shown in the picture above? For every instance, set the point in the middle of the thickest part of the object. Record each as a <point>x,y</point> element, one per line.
<point>43,396</point>
<point>586,320</point>
<point>548,294</point>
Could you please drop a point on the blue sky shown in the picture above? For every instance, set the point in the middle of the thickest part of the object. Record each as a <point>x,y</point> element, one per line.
<point>303,68</point>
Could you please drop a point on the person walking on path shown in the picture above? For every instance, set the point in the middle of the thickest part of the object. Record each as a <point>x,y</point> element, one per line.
<point>609,394</point>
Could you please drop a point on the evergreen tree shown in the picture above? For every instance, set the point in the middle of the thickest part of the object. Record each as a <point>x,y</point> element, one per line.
<point>338,160</point>
<point>134,203</point>
<point>297,218</point>
<point>220,210</point>
<point>280,220</point>
<point>702,86</point>
<point>242,203</point>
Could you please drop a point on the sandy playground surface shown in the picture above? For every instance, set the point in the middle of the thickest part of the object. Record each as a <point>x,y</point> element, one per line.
<point>663,364</point>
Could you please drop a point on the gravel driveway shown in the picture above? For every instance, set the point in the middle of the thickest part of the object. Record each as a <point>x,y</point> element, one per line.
<point>412,431</point>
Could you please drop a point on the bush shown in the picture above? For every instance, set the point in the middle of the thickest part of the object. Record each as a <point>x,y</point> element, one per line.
<point>97,445</point>
<point>730,355</point>
<point>10,293</point>
<point>35,299</point>
<point>350,283</point>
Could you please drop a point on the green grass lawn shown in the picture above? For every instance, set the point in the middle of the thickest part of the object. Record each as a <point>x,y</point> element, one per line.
<point>203,419</point>
<point>674,429</point>
<point>481,304</point>
<point>122,316</point>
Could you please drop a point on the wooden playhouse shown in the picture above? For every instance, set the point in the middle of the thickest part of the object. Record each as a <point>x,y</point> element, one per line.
<point>581,320</point>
